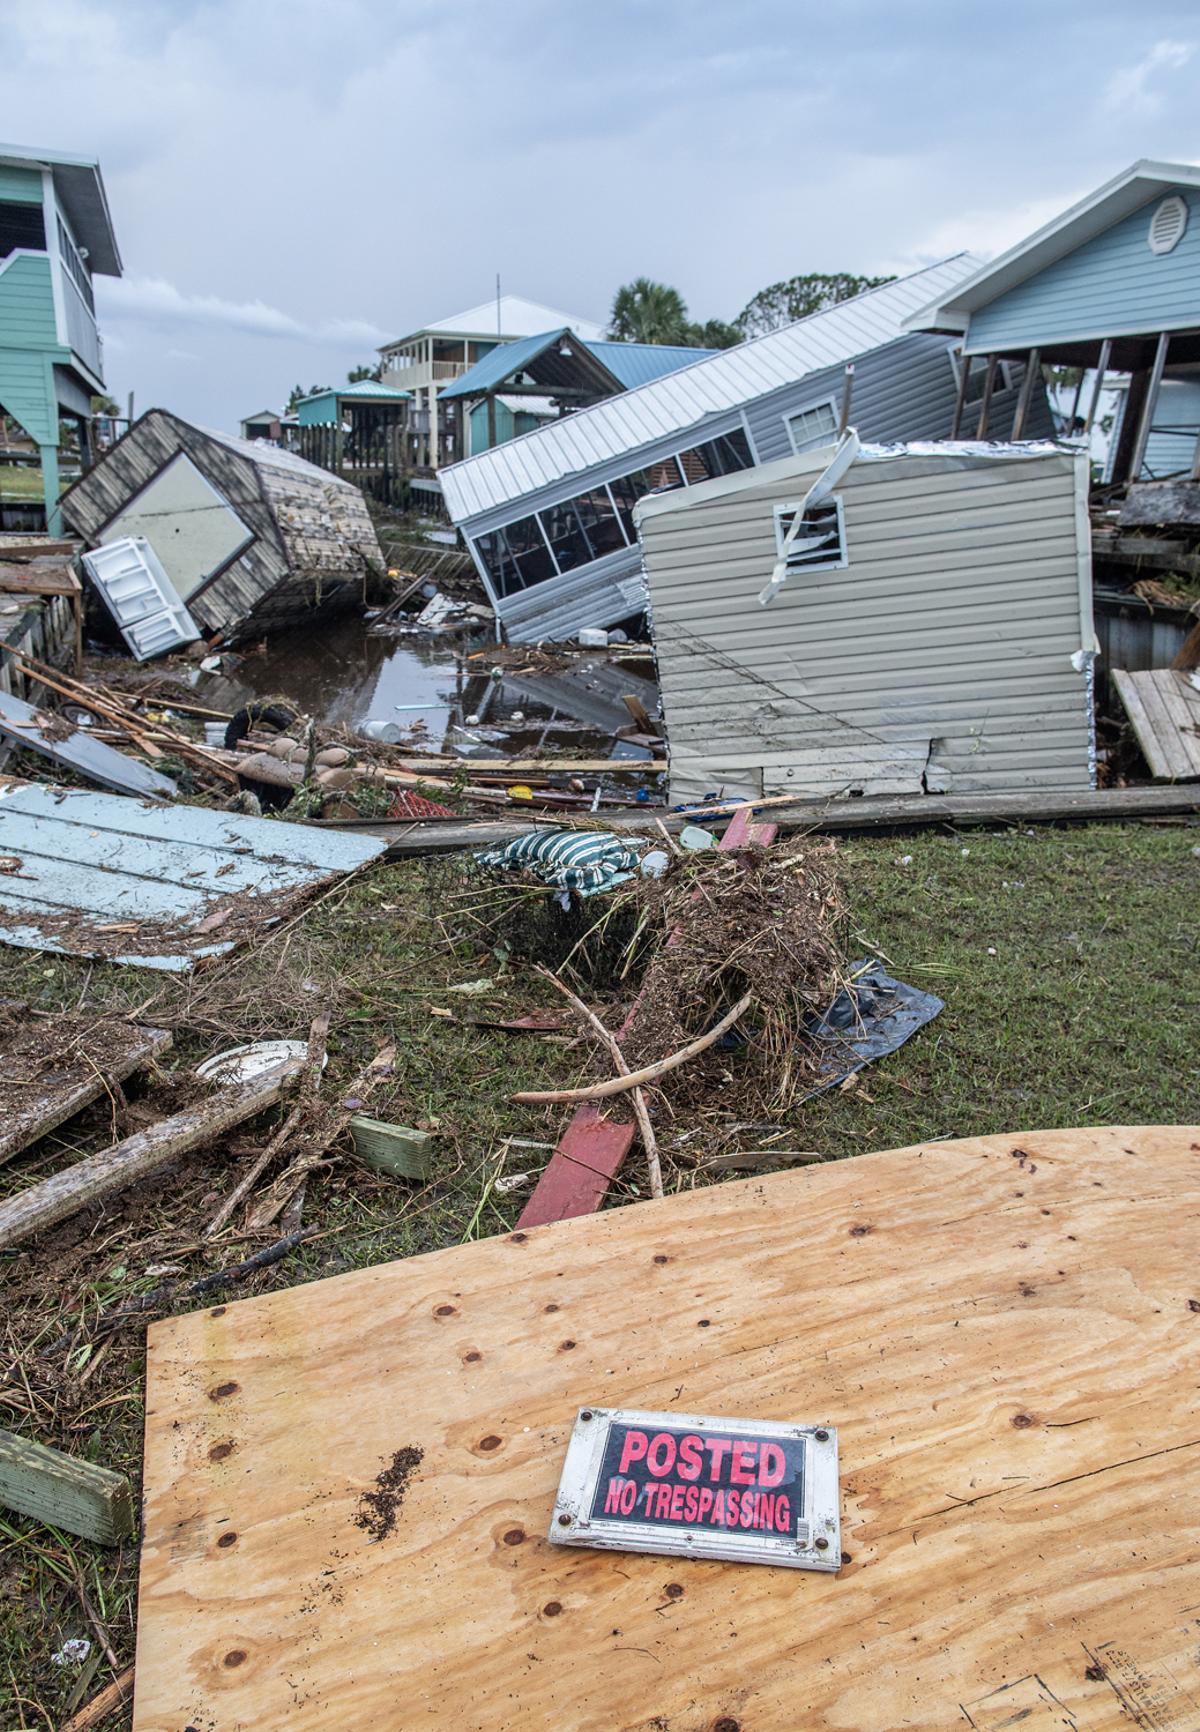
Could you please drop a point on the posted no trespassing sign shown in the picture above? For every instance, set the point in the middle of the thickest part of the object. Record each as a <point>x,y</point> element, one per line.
<point>747,1491</point>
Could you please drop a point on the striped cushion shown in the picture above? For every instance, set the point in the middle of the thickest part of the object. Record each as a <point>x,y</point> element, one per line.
<point>581,860</point>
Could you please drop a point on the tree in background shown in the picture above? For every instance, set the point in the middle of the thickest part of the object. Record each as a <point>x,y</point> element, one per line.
<point>784,303</point>
<point>357,373</point>
<point>712,334</point>
<point>647,312</point>
<point>299,391</point>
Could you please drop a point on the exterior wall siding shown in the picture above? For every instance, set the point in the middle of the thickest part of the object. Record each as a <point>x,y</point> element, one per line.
<point>27,303</point>
<point>1111,286</point>
<point>21,185</point>
<point>27,392</point>
<point>938,658</point>
<point>905,390</point>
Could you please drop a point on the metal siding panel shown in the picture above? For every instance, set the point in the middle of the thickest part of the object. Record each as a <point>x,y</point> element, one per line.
<point>861,661</point>
<point>1110,285</point>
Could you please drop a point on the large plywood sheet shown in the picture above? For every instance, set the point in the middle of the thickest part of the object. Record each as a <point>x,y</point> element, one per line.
<point>1005,1330</point>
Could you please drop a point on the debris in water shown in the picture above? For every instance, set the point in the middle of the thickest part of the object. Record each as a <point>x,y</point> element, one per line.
<point>378,1509</point>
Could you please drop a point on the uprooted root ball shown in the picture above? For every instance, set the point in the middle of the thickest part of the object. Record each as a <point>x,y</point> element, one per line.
<point>755,920</point>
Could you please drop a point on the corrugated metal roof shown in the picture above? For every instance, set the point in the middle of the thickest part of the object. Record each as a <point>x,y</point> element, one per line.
<point>159,886</point>
<point>677,401</point>
<point>637,364</point>
<point>515,317</point>
<point>373,388</point>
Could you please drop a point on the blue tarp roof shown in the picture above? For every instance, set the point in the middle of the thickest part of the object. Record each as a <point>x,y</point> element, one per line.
<point>629,363</point>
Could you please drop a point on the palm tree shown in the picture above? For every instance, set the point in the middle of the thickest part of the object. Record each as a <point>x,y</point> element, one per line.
<point>647,312</point>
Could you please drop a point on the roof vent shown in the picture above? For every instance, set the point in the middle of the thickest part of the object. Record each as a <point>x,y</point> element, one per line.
<point>1167,224</point>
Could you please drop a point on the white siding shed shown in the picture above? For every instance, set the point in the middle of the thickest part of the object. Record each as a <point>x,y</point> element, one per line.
<point>945,646</point>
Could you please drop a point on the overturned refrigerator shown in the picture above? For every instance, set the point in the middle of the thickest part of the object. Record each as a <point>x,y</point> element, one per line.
<point>868,620</point>
<point>204,533</point>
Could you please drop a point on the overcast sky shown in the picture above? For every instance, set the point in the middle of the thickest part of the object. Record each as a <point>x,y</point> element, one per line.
<point>295,181</point>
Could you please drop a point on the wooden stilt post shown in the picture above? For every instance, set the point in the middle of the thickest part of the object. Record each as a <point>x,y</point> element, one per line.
<point>1098,387</point>
<point>1033,365</point>
<point>847,389</point>
<point>964,369</point>
<point>1151,403</point>
<point>989,385</point>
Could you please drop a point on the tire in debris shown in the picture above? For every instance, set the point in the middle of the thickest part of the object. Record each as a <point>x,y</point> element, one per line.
<point>256,715</point>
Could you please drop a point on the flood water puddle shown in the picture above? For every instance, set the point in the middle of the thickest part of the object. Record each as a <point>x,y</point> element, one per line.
<point>444,693</point>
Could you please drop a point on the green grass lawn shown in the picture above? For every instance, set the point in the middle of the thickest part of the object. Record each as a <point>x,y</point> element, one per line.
<point>1067,960</point>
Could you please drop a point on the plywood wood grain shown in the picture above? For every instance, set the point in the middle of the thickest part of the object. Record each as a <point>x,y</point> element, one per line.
<point>1006,1332</point>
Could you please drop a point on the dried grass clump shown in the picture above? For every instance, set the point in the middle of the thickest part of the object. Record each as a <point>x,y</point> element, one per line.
<point>760,921</point>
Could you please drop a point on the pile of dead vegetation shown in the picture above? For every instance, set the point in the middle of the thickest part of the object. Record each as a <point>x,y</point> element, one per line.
<point>759,927</point>
<point>750,938</point>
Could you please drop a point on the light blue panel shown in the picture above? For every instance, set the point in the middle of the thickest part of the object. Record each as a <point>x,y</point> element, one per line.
<point>21,185</point>
<point>318,411</point>
<point>1172,443</point>
<point>92,758</point>
<point>505,426</point>
<point>1111,286</point>
<point>27,303</point>
<point>93,859</point>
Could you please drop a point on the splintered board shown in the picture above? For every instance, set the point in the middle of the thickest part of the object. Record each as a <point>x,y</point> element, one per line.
<point>1005,1331</point>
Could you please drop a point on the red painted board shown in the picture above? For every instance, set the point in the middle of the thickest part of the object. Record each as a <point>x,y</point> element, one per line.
<point>578,1174</point>
<point>592,1148</point>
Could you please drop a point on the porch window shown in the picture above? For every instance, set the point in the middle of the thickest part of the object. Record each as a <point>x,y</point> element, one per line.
<point>22,226</point>
<point>820,541</point>
<point>977,376</point>
<point>626,490</point>
<point>813,426</point>
<point>721,456</point>
<point>569,541</point>
<point>516,557</point>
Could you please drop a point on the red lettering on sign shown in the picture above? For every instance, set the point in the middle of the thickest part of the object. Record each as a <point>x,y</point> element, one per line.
<point>677,1492</point>
<point>706,1498</point>
<point>783,1515</point>
<point>771,1464</point>
<point>660,1457</point>
<point>691,1457</point>
<point>690,1502</point>
<point>718,1514</point>
<point>616,1490</point>
<point>716,1447</point>
<point>628,1496</point>
<point>633,1449</point>
<point>645,1494</point>
<point>732,1502</point>
<point>749,1508</point>
<point>741,1464</point>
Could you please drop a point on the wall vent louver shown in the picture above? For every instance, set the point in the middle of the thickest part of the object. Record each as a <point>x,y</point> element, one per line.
<point>1167,224</point>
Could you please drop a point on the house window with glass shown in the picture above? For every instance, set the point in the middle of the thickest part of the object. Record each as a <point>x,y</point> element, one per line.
<point>813,426</point>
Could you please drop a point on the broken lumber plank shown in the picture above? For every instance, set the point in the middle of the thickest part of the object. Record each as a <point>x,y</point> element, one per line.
<point>593,1147</point>
<point>63,1491</point>
<point>1164,712</point>
<point>71,1083</point>
<point>112,1697</point>
<point>393,1149</point>
<point>824,817</point>
<point>109,1171</point>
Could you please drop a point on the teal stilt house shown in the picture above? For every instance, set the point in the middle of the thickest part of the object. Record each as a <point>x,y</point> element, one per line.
<point>55,236</point>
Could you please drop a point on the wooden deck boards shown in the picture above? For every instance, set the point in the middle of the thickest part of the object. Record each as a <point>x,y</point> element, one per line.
<point>1005,1331</point>
<point>1164,711</point>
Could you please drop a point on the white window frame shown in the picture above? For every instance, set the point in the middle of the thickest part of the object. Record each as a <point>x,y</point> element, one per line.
<point>788,509</point>
<point>830,403</point>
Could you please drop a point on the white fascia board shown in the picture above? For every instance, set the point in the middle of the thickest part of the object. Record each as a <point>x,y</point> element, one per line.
<point>50,221</point>
<point>1116,199</point>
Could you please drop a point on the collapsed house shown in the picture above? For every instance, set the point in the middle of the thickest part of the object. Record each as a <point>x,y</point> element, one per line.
<point>876,620</point>
<point>548,517</point>
<point>245,537</point>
